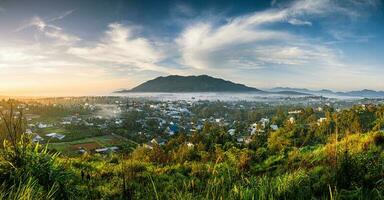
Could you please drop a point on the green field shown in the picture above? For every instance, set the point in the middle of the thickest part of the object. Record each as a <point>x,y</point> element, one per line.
<point>90,143</point>
<point>71,134</point>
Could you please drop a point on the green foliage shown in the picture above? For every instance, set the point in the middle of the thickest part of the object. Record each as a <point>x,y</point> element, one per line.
<point>340,158</point>
<point>27,190</point>
<point>26,169</point>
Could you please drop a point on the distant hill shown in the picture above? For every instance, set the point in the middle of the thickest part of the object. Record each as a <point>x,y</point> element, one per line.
<point>202,83</point>
<point>359,93</point>
<point>364,93</point>
<point>279,89</point>
<point>291,93</point>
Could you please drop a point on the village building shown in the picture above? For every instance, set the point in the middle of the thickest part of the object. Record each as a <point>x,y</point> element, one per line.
<point>295,112</point>
<point>274,127</point>
<point>55,135</point>
<point>321,120</point>
<point>107,150</point>
<point>190,145</point>
<point>292,120</point>
<point>232,131</point>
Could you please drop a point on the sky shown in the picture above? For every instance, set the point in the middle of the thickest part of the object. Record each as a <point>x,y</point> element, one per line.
<point>94,47</point>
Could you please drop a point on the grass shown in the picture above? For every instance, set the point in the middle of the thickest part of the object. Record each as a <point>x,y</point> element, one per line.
<point>73,134</point>
<point>25,191</point>
<point>220,180</point>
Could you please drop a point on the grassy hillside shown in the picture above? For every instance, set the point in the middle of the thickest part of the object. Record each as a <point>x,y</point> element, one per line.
<point>341,158</point>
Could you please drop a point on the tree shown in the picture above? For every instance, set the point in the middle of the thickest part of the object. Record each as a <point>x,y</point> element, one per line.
<point>279,140</point>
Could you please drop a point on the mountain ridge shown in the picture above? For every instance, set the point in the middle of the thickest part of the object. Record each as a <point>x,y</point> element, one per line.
<point>366,93</point>
<point>200,83</point>
<point>205,83</point>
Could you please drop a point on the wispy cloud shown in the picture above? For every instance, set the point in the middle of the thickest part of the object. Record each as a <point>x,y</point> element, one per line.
<point>183,10</point>
<point>47,69</point>
<point>348,35</point>
<point>120,46</point>
<point>249,41</point>
<point>62,16</point>
<point>203,46</point>
<point>299,22</point>
<point>41,23</point>
<point>48,29</point>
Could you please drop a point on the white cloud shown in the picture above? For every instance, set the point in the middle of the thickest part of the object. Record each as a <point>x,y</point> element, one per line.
<point>62,16</point>
<point>348,35</point>
<point>115,61</point>
<point>299,22</point>
<point>41,24</point>
<point>203,46</point>
<point>297,55</point>
<point>121,47</point>
<point>249,41</point>
<point>50,30</point>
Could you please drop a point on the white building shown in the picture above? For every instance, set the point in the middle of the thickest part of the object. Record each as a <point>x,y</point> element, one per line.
<point>321,120</point>
<point>292,120</point>
<point>55,135</point>
<point>190,145</point>
<point>274,127</point>
<point>41,125</point>
<point>37,138</point>
<point>295,112</point>
<point>264,121</point>
<point>154,141</point>
<point>231,131</point>
<point>107,149</point>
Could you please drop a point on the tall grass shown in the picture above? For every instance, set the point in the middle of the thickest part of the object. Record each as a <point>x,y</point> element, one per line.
<point>28,170</point>
<point>29,190</point>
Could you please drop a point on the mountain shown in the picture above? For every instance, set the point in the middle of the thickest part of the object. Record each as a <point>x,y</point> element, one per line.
<point>280,89</point>
<point>359,93</point>
<point>202,83</point>
<point>364,93</point>
<point>291,93</point>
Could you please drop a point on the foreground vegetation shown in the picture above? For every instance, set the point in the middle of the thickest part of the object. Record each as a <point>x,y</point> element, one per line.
<point>340,158</point>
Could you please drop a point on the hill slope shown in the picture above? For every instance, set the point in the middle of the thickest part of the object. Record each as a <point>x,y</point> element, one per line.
<point>202,83</point>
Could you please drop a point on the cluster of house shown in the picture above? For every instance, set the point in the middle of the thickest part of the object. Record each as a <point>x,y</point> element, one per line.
<point>169,117</point>
<point>161,142</point>
<point>263,126</point>
<point>260,126</point>
<point>37,138</point>
<point>293,113</point>
<point>172,117</point>
<point>103,150</point>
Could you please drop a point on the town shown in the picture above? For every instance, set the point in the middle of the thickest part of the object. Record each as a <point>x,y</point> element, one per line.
<point>76,125</point>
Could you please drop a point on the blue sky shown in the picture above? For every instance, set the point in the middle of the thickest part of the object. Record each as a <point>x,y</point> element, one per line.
<point>88,47</point>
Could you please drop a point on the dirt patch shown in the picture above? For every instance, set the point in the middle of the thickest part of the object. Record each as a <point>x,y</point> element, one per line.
<point>114,141</point>
<point>88,146</point>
